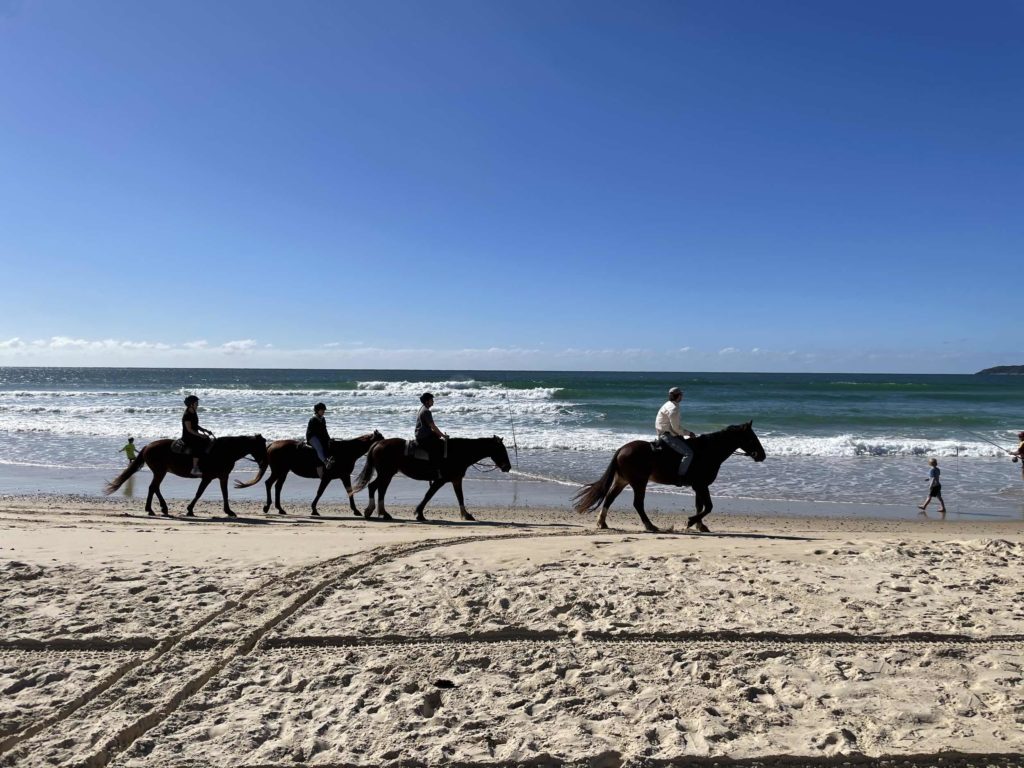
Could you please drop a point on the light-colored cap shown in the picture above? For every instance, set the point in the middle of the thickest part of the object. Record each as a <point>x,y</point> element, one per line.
<point>675,391</point>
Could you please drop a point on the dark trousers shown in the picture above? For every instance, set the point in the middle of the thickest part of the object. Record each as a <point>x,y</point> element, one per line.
<point>434,446</point>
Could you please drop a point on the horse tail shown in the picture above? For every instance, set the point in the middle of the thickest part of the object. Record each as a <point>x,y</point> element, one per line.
<point>589,497</point>
<point>365,475</point>
<point>132,468</point>
<point>259,476</point>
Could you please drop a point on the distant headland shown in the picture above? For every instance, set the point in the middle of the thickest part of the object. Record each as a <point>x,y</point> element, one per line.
<point>1004,370</point>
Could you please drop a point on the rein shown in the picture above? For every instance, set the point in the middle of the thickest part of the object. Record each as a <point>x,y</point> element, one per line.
<point>481,468</point>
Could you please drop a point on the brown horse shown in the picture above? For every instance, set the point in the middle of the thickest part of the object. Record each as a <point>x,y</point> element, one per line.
<point>388,458</point>
<point>637,463</point>
<point>215,465</point>
<point>284,456</point>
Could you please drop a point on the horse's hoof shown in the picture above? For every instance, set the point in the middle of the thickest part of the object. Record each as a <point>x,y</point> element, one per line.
<point>314,513</point>
<point>703,528</point>
<point>190,513</point>
<point>384,516</point>
<point>281,512</point>
<point>266,509</point>
<point>653,529</point>
<point>229,513</point>
<point>602,526</point>
<point>420,519</point>
<point>357,513</point>
<point>469,517</point>
<point>690,522</point>
<point>164,512</point>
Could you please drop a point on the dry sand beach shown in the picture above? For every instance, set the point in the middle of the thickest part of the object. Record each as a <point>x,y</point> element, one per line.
<point>528,638</point>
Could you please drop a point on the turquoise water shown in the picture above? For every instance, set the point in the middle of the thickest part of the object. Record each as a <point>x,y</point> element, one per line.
<point>828,436</point>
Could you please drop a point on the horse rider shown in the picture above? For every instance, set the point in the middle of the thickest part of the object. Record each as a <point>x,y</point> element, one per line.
<point>194,436</point>
<point>428,436</point>
<point>317,437</point>
<point>1018,455</point>
<point>671,433</point>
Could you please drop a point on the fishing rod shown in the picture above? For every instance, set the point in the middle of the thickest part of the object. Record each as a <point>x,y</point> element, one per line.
<point>1001,448</point>
<point>515,443</point>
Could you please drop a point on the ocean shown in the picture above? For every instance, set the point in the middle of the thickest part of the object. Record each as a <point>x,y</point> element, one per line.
<point>834,438</point>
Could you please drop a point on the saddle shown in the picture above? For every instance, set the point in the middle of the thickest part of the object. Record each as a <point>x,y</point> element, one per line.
<point>669,459</point>
<point>304,446</point>
<point>181,448</point>
<point>413,451</point>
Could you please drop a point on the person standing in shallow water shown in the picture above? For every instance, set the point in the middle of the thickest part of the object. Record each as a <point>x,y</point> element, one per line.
<point>129,449</point>
<point>1018,455</point>
<point>316,436</point>
<point>428,436</point>
<point>934,488</point>
<point>194,436</point>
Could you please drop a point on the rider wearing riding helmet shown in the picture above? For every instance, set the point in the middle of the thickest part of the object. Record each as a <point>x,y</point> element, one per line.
<point>428,436</point>
<point>193,435</point>
<point>316,436</point>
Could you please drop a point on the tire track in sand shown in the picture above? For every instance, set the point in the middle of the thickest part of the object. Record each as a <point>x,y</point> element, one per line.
<point>614,759</point>
<point>160,648</point>
<point>719,639</point>
<point>132,687</point>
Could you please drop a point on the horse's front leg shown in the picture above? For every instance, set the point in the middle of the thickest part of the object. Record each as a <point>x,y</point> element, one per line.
<point>224,493</point>
<point>324,482</point>
<point>347,482</point>
<point>435,486</point>
<point>639,492</point>
<point>190,509</point>
<point>457,487</point>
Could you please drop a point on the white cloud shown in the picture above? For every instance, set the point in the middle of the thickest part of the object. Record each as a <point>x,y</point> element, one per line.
<point>71,351</point>
<point>243,345</point>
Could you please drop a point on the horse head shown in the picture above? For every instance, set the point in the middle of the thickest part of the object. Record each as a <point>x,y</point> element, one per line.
<point>376,437</point>
<point>749,443</point>
<point>498,454</point>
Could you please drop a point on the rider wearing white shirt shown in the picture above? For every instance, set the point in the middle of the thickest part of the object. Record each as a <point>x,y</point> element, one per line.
<point>669,430</point>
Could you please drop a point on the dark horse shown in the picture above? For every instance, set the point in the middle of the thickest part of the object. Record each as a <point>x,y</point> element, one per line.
<point>216,465</point>
<point>636,463</point>
<point>388,458</point>
<point>284,456</point>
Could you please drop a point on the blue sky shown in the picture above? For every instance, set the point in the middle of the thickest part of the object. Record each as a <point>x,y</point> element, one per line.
<point>753,186</point>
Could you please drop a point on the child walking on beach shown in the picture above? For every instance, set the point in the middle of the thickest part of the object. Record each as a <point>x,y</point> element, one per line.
<point>129,449</point>
<point>934,488</point>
